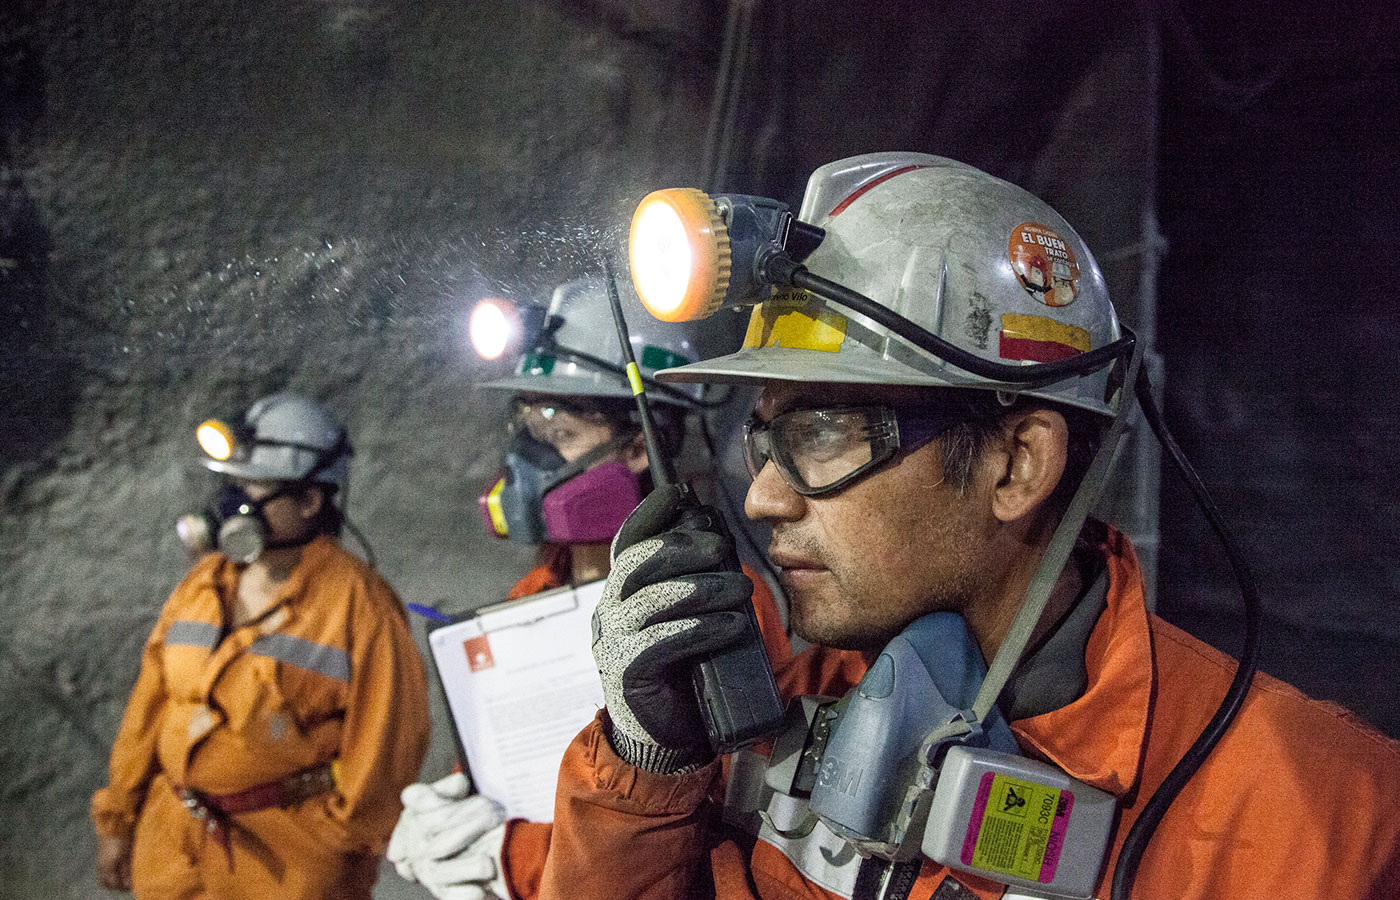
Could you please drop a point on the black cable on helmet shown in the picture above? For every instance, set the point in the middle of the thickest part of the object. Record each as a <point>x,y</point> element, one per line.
<point>325,458</point>
<point>670,391</point>
<point>1037,375</point>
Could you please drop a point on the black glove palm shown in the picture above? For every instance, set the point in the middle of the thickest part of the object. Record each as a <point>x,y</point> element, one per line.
<point>675,594</point>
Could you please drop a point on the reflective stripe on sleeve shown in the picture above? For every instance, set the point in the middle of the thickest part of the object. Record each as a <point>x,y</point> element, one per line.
<point>192,634</point>
<point>331,662</point>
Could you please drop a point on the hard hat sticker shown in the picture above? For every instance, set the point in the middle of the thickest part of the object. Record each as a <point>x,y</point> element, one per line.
<point>1040,338</point>
<point>1044,264</point>
<point>537,364</point>
<point>796,320</point>
<point>655,358</point>
<point>1017,828</point>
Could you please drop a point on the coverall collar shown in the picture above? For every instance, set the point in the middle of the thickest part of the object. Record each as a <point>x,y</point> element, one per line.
<point>314,556</point>
<point>1099,738</point>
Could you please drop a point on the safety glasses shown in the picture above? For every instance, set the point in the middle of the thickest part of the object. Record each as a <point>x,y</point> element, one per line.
<point>552,421</point>
<point>820,451</point>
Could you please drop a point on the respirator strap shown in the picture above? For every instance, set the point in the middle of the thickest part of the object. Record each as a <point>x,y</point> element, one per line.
<point>282,545</point>
<point>586,461</point>
<point>1057,553</point>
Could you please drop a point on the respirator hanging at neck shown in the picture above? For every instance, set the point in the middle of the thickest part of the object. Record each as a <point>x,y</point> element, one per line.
<point>540,497</point>
<point>918,760</point>
<point>901,768</point>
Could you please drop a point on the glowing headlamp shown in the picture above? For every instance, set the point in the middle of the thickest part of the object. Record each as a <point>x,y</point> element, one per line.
<point>692,254</point>
<point>216,439</point>
<point>499,327</point>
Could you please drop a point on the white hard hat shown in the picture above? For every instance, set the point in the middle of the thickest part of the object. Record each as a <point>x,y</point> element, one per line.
<point>975,260</point>
<point>286,437</point>
<point>587,326</point>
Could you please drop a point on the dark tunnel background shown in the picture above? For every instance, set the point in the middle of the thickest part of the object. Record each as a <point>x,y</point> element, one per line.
<point>202,203</point>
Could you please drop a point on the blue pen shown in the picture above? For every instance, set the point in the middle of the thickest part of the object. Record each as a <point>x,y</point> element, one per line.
<point>428,612</point>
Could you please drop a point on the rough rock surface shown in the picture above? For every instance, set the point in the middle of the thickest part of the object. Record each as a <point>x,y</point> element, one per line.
<point>202,203</point>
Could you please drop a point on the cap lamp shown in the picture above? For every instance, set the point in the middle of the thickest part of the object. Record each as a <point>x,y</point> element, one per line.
<point>692,254</point>
<point>499,327</point>
<point>215,439</point>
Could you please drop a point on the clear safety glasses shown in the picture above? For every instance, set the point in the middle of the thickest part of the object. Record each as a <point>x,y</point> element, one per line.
<point>544,418</point>
<point>820,451</point>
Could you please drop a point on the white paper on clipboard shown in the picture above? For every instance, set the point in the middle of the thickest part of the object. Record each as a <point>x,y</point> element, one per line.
<point>521,683</point>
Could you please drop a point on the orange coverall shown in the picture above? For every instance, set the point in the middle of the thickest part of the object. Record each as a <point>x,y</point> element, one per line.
<point>328,675</point>
<point>1297,801</point>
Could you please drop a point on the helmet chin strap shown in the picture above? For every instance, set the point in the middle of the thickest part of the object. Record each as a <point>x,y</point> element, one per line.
<point>1057,552</point>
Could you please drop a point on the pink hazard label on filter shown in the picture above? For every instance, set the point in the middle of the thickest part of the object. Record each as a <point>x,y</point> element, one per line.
<point>979,812</point>
<point>1057,837</point>
<point>1017,828</point>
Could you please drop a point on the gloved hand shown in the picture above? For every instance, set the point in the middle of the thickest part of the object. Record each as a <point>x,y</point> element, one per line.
<point>675,594</point>
<point>449,841</point>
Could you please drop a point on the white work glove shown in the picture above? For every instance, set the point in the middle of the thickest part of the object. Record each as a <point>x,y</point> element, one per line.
<point>450,842</point>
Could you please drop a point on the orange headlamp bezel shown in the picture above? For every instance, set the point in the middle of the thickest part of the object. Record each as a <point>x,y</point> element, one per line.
<point>710,262</point>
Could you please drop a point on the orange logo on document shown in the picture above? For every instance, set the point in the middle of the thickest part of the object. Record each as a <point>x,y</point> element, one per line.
<point>479,656</point>
<point>1044,264</point>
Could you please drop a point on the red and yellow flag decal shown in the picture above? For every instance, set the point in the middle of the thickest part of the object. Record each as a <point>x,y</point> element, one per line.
<point>1040,339</point>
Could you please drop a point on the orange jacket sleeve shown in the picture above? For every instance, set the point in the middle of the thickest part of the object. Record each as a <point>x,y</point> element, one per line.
<point>385,734</point>
<point>607,809</point>
<point>133,761</point>
<point>527,844</point>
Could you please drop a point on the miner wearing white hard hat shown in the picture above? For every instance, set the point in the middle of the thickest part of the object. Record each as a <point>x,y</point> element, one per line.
<point>281,705</point>
<point>990,708</point>
<point>574,470</point>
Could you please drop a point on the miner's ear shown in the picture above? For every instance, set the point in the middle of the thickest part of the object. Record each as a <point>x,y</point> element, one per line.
<point>1028,462</point>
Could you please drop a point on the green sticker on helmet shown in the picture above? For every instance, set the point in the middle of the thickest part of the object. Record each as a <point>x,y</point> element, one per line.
<point>536,364</point>
<point>656,358</point>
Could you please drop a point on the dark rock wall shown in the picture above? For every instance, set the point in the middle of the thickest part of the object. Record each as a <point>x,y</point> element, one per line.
<point>209,202</point>
<point>203,203</point>
<point>1278,323</point>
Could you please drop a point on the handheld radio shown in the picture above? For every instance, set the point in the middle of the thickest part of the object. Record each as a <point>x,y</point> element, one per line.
<point>738,698</point>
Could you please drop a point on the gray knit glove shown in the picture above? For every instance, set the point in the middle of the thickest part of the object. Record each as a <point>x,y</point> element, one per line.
<point>675,594</point>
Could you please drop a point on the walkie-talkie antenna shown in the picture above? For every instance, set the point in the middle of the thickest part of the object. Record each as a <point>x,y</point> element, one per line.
<point>662,472</point>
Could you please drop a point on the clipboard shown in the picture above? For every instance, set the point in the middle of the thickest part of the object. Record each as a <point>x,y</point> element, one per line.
<point>520,683</point>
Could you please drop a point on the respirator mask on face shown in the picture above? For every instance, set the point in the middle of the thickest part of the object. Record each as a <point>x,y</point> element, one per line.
<point>234,524</point>
<point>540,497</point>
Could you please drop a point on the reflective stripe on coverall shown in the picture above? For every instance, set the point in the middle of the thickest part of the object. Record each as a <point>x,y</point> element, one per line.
<point>329,673</point>
<point>1297,801</point>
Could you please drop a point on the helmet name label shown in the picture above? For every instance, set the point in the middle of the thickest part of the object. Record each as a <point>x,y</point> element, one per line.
<point>1044,264</point>
<point>798,321</point>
